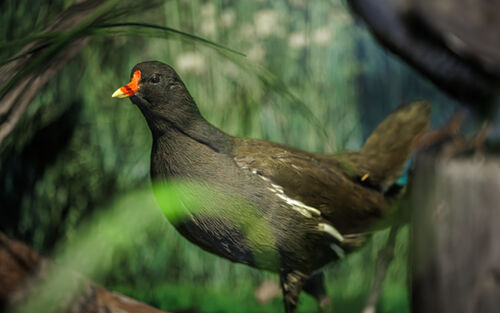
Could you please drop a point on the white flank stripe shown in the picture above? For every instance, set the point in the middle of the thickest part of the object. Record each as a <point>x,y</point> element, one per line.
<point>303,209</point>
<point>296,205</point>
<point>338,250</point>
<point>327,228</point>
<point>307,211</point>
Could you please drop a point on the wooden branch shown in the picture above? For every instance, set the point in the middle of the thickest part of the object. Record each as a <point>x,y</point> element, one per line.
<point>23,273</point>
<point>455,253</point>
<point>384,259</point>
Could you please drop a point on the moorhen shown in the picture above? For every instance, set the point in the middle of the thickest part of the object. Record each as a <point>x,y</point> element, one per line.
<point>264,204</point>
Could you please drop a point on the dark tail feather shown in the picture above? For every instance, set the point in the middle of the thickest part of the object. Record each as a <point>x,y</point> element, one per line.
<point>391,144</point>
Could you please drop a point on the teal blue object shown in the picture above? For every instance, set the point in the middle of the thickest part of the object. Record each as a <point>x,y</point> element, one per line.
<point>403,179</point>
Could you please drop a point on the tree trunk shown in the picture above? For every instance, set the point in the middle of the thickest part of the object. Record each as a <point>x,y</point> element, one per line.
<point>455,251</point>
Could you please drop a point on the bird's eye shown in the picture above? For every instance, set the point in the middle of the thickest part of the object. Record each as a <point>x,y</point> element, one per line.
<point>155,79</point>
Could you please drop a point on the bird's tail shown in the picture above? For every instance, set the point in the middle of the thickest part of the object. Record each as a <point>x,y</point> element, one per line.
<point>386,152</point>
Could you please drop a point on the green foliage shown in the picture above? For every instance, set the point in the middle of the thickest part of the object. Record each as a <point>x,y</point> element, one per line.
<point>311,78</point>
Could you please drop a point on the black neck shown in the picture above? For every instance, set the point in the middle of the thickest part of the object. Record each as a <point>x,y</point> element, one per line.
<point>192,125</point>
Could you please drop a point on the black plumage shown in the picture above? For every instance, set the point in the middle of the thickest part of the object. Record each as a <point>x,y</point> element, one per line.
<point>265,204</point>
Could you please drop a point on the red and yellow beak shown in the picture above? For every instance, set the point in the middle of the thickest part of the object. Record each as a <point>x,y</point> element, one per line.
<point>129,89</point>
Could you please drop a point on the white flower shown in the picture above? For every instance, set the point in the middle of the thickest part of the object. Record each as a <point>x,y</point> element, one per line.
<point>257,53</point>
<point>207,17</point>
<point>322,36</point>
<point>298,3</point>
<point>227,18</point>
<point>265,22</point>
<point>298,40</point>
<point>193,62</point>
<point>207,10</point>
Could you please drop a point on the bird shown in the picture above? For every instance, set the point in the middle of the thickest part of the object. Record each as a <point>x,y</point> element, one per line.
<point>265,204</point>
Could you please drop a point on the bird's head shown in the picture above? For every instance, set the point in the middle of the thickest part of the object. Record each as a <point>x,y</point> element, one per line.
<point>159,92</point>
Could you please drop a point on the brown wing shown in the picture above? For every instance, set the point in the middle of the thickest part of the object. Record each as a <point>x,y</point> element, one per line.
<point>333,183</point>
<point>317,181</point>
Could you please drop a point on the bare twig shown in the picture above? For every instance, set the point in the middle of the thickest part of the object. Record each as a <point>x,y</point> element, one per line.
<point>385,257</point>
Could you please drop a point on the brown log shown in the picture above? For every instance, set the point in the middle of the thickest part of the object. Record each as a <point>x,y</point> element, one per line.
<point>23,271</point>
<point>455,252</point>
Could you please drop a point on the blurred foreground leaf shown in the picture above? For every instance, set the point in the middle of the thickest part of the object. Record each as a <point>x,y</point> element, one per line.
<point>91,248</point>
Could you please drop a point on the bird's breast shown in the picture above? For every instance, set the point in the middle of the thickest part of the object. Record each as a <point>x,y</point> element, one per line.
<point>241,215</point>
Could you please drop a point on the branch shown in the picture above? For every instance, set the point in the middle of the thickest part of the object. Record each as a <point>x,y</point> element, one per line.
<point>24,273</point>
<point>385,257</point>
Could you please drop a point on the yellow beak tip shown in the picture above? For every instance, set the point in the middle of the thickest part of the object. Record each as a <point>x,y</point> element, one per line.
<point>119,94</point>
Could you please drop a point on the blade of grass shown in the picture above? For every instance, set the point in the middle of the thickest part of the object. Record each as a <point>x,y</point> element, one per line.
<point>131,30</point>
